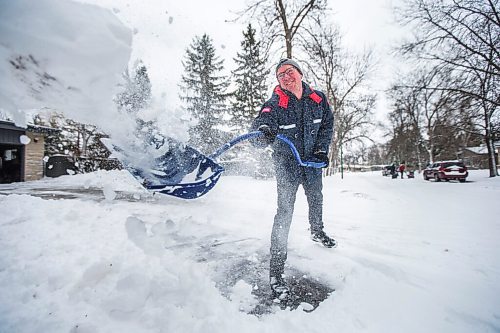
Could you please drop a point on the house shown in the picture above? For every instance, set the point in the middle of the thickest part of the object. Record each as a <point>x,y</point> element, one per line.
<point>22,152</point>
<point>477,157</point>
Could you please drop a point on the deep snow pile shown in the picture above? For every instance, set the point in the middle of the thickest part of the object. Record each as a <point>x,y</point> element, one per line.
<point>67,57</point>
<point>413,256</point>
<point>62,55</point>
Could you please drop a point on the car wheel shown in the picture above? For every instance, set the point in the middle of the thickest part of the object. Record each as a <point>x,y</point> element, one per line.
<point>462,180</point>
<point>436,178</point>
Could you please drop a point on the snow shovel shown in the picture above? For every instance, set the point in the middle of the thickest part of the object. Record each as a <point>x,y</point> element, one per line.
<point>185,172</point>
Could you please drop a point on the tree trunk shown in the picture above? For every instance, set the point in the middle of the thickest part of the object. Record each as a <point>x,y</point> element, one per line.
<point>492,163</point>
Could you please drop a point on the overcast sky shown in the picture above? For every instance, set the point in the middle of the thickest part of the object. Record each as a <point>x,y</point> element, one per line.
<point>164,29</point>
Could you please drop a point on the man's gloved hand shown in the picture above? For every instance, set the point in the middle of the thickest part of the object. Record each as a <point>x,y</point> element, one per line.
<point>269,134</point>
<point>323,157</point>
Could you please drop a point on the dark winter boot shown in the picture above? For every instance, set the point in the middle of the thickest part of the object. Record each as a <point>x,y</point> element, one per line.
<point>279,288</point>
<point>322,238</point>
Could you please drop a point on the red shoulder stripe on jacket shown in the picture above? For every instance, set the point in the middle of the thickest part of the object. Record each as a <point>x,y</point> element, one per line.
<point>315,97</point>
<point>283,98</point>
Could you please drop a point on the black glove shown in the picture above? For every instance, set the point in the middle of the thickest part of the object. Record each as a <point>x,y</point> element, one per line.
<point>322,157</point>
<point>269,134</point>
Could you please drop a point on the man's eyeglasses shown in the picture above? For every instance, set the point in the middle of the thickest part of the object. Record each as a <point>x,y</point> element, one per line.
<point>288,72</point>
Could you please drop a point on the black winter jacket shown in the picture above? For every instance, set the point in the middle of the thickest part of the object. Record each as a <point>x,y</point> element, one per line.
<point>307,122</point>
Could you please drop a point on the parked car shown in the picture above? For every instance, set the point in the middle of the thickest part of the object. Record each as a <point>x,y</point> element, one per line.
<point>446,170</point>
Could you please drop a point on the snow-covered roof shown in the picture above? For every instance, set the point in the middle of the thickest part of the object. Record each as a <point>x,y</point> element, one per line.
<point>30,128</point>
<point>482,149</point>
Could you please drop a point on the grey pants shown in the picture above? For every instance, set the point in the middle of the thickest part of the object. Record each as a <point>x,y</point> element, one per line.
<point>287,186</point>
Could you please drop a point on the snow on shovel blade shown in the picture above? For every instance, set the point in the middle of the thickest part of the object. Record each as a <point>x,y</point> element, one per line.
<point>181,172</point>
<point>200,175</point>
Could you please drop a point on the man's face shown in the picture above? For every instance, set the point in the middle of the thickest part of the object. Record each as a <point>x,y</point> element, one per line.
<point>289,77</point>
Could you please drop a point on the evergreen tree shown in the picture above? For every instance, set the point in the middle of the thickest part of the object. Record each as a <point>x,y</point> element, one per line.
<point>250,77</point>
<point>204,92</point>
<point>137,92</point>
<point>135,97</point>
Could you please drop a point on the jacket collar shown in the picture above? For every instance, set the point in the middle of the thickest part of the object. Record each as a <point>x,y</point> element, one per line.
<point>284,95</point>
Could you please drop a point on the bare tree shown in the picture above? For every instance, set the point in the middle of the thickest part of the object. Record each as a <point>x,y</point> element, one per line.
<point>432,113</point>
<point>281,21</point>
<point>462,37</point>
<point>487,88</point>
<point>343,76</point>
<point>406,121</point>
<point>434,118</point>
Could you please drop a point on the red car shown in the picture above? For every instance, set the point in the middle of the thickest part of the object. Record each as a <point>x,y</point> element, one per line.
<point>446,170</point>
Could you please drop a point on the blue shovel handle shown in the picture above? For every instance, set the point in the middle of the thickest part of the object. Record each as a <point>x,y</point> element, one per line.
<point>281,137</point>
<point>309,164</point>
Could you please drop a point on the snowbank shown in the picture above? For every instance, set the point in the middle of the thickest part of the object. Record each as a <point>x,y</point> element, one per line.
<point>413,256</point>
<point>62,55</point>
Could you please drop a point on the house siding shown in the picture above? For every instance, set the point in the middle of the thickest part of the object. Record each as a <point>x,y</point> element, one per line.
<point>34,153</point>
<point>477,157</point>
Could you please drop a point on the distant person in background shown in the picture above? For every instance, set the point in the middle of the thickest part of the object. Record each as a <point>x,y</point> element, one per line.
<point>402,168</point>
<point>304,116</point>
<point>1,169</point>
<point>393,170</point>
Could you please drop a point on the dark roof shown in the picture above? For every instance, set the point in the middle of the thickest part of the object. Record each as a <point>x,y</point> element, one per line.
<point>31,128</point>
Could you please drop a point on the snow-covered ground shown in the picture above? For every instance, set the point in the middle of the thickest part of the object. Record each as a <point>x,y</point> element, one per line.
<point>96,253</point>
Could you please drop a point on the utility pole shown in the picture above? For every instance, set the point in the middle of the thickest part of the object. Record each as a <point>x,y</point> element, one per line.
<point>341,163</point>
